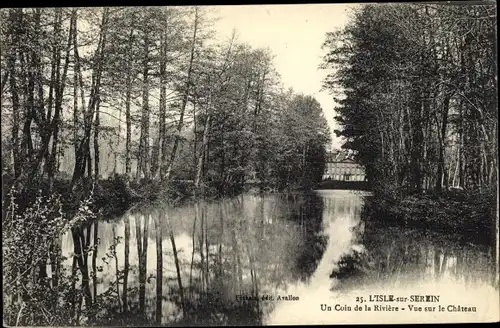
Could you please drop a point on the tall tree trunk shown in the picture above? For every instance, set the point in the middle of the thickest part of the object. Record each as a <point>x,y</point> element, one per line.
<point>59,95</point>
<point>128,97</point>
<point>416,151</point>
<point>82,157</point>
<point>441,173</point>
<point>11,64</point>
<point>184,99</point>
<point>204,144</point>
<point>29,104</point>
<point>195,140</point>
<point>144,144</point>
<point>162,135</point>
<point>96,141</point>
<point>223,161</point>
<point>76,117</point>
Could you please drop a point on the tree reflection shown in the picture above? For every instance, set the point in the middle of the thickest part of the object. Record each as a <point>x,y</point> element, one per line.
<point>81,241</point>
<point>142,232</point>
<point>250,245</point>
<point>84,243</point>
<point>177,263</point>
<point>308,210</point>
<point>159,269</point>
<point>126,264</point>
<point>393,256</point>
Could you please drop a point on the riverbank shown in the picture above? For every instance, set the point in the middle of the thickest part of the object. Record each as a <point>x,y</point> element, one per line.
<point>345,185</point>
<point>110,197</point>
<point>469,215</point>
<point>114,196</point>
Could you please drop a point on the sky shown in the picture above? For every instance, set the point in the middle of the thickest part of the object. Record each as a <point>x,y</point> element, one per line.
<point>294,34</point>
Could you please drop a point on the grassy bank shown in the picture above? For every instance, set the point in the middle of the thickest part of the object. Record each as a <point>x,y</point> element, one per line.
<point>469,215</point>
<point>112,197</point>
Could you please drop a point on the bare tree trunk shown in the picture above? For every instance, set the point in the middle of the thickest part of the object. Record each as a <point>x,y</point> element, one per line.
<point>29,103</point>
<point>203,151</point>
<point>115,165</point>
<point>162,134</point>
<point>76,118</point>
<point>59,92</point>
<point>84,144</point>
<point>195,139</point>
<point>128,96</point>
<point>96,141</point>
<point>441,173</point>
<point>144,144</point>
<point>184,99</point>
<point>11,61</point>
<point>78,80</point>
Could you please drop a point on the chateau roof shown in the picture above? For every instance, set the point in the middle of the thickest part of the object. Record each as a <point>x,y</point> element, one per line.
<point>340,156</point>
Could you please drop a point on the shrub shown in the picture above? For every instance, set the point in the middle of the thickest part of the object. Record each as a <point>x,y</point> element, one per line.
<point>29,240</point>
<point>470,214</point>
<point>113,196</point>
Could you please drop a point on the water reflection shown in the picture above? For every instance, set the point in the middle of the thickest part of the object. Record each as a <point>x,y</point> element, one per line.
<point>363,259</point>
<point>206,262</point>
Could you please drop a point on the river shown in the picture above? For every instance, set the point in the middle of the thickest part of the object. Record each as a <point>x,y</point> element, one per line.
<point>281,259</point>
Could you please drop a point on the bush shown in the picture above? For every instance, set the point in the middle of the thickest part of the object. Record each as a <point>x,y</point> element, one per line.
<point>114,196</point>
<point>29,240</point>
<point>470,214</point>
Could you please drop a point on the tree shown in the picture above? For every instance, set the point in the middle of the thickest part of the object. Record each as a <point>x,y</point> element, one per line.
<point>413,105</point>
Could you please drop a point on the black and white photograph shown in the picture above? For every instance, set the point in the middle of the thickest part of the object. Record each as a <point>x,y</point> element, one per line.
<point>250,164</point>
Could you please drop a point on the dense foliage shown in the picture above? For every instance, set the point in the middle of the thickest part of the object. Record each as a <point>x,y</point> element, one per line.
<point>416,87</point>
<point>149,93</point>
<point>419,85</point>
<point>37,288</point>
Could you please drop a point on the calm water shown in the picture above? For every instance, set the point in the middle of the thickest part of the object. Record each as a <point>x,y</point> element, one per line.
<point>208,262</point>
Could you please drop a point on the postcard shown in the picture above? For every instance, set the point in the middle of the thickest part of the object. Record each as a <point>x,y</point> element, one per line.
<point>296,164</point>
